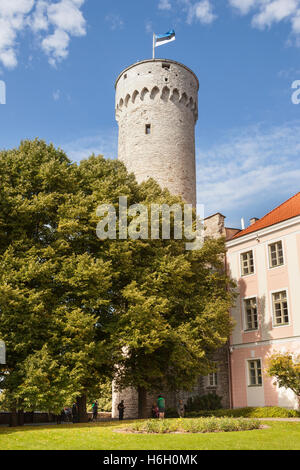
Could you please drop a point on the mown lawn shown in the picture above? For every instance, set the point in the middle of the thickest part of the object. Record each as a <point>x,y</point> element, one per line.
<point>279,435</point>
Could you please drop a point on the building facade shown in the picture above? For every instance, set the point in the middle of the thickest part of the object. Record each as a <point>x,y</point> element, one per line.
<point>264,260</point>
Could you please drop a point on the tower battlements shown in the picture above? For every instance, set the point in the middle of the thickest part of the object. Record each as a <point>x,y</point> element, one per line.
<point>156,110</point>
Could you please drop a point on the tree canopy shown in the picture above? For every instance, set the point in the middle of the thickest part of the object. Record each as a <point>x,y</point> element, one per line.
<point>75,310</point>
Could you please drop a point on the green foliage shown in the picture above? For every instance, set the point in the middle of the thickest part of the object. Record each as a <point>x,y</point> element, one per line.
<point>46,385</point>
<point>200,425</point>
<point>249,412</point>
<point>211,401</point>
<point>105,398</point>
<point>171,413</point>
<point>146,311</point>
<point>285,367</point>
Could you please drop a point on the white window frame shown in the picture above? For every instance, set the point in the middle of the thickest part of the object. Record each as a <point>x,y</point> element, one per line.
<point>272,307</point>
<point>240,262</point>
<point>254,359</point>
<point>269,243</point>
<point>245,323</point>
<point>215,380</point>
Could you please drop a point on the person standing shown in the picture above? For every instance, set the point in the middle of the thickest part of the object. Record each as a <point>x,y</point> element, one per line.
<point>121,409</point>
<point>180,409</point>
<point>161,407</point>
<point>75,413</point>
<point>68,414</point>
<point>95,411</point>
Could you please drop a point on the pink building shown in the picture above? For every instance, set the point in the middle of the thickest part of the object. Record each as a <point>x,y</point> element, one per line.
<point>264,260</point>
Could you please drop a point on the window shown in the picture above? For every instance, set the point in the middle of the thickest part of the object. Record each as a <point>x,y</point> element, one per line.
<point>255,376</point>
<point>125,76</point>
<point>213,379</point>
<point>251,314</point>
<point>276,254</point>
<point>280,308</point>
<point>148,129</point>
<point>166,66</point>
<point>247,263</point>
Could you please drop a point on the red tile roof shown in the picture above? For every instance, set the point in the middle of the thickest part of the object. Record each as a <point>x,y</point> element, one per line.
<point>287,210</point>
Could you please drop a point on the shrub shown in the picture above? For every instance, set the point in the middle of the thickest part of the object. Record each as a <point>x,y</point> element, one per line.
<point>171,413</point>
<point>211,401</point>
<point>248,412</point>
<point>200,425</point>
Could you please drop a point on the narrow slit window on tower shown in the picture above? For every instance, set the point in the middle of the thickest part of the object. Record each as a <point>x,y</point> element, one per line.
<point>125,76</point>
<point>148,129</point>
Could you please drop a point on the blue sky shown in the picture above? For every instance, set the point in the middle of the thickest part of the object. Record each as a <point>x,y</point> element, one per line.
<point>59,60</point>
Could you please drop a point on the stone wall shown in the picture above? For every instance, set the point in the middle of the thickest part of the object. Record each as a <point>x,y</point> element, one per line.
<point>162,94</point>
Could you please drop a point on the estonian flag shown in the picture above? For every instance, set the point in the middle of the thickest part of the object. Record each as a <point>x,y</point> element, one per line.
<point>161,39</point>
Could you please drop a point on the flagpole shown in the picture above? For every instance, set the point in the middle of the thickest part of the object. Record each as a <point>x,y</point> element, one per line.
<point>153,54</point>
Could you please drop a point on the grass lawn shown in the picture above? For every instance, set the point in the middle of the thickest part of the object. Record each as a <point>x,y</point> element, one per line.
<point>279,435</point>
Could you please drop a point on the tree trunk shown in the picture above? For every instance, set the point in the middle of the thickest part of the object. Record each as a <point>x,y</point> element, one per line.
<point>13,421</point>
<point>20,417</point>
<point>142,403</point>
<point>81,405</point>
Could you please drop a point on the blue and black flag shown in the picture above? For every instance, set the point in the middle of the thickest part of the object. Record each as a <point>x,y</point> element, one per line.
<point>161,39</point>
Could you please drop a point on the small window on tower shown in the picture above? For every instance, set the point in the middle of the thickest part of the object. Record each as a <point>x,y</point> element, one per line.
<point>148,129</point>
<point>166,66</point>
<point>125,76</point>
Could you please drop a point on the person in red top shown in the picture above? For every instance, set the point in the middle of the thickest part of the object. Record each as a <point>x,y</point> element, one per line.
<point>154,410</point>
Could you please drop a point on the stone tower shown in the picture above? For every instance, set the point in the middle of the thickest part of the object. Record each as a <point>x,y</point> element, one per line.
<point>156,110</point>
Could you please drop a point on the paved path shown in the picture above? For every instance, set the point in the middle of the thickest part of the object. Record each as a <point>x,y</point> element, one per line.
<point>296,420</point>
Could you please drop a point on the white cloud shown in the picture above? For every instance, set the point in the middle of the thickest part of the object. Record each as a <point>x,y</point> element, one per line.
<point>54,22</point>
<point>244,6</point>
<point>164,5</point>
<point>56,95</point>
<point>269,12</point>
<point>66,16</point>
<point>56,46</point>
<point>149,27</point>
<point>274,12</point>
<point>201,11</point>
<point>265,13</point>
<point>249,167</point>
<point>102,143</point>
<point>115,21</point>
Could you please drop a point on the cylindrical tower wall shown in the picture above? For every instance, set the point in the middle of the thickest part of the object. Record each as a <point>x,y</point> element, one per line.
<point>156,110</point>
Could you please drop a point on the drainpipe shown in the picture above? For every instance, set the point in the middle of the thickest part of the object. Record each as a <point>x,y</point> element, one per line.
<point>229,356</point>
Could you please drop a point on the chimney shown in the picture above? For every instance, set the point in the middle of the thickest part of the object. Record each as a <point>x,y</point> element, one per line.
<point>253,220</point>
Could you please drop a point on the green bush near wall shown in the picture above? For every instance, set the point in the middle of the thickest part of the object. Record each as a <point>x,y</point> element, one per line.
<point>248,412</point>
<point>211,401</point>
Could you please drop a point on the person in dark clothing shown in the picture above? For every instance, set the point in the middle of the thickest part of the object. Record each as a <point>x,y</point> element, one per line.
<point>95,411</point>
<point>60,417</point>
<point>75,413</point>
<point>68,414</point>
<point>121,409</point>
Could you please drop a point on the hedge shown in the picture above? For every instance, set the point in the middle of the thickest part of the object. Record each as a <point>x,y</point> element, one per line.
<point>197,425</point>
<point>249,412</point>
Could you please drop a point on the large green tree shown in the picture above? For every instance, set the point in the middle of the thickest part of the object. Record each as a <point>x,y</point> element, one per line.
<point>146,312</point>
<point>53,285</point>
